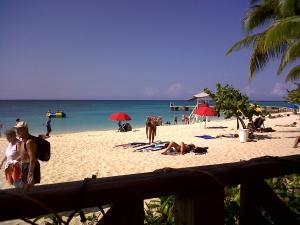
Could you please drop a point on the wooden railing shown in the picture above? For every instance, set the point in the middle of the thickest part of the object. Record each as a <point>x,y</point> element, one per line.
<point>199,194</point>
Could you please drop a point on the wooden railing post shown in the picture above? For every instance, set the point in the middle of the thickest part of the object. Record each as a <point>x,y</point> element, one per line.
<point>278,210</point>
<point>125,213</point>
<point>250,210</point>
<point>205,208</point>
<point>258,195</point>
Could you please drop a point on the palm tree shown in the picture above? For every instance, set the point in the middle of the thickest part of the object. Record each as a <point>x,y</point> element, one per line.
<point>280,39</point>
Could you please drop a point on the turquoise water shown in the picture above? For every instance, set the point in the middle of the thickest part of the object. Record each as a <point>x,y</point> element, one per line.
<point>86,115</point>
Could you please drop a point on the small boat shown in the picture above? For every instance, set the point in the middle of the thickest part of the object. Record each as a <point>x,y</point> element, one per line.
<point>57,114</point>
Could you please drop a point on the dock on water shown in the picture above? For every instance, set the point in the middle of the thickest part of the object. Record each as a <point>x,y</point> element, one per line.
<point>268,109</point>
<point>174,107</point>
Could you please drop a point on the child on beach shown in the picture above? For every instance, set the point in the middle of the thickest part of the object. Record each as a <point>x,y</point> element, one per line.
<point>12,164</point>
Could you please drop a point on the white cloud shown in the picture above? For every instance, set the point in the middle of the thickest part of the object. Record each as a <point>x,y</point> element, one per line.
<point>175,90</point>
<point>279,89</point>
<point>150,92</point>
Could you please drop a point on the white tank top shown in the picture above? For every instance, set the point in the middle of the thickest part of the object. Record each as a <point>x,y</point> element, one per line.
<point>11,152</point>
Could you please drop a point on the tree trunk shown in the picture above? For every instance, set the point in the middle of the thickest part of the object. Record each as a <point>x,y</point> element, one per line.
<point>239,119</point>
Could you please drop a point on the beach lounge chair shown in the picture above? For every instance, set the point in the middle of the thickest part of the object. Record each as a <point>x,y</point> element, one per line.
<point>259,123</point>
<point>122,128</point>
<point>125,127</point>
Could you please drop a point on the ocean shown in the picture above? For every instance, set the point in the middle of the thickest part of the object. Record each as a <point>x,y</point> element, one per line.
<point>90,115</point>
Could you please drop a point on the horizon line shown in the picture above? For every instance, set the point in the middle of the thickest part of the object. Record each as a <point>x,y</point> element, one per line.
<point>125,100</point>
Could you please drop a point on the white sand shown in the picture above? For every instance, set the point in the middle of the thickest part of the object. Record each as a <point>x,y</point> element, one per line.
<point>76,156</point>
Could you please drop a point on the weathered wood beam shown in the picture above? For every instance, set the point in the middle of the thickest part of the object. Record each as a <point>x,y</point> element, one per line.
<point>66,196</point>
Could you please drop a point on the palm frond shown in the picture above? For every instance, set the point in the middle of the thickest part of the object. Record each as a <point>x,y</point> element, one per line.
<point>243,43</point>
<point>289,56</point>
<point>253,2</point>
<point>294,74</point>
<point>282,31</point>
<point>288,7</point>
<point>259,15</point>
<point>259,58</point>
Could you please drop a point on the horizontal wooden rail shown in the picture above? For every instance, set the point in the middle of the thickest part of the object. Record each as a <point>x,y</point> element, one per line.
<point>94,192</point>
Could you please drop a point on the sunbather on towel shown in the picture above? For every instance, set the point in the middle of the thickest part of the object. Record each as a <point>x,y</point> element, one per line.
<point>182,148</point>
<point>287,125</point>
<point>228,135</point>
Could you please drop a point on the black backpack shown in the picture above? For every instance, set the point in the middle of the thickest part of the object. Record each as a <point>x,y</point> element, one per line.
<point>42,148</point>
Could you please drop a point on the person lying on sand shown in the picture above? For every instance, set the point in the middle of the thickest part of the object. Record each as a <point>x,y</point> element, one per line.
<point>276,116</point>
<point>228,135</point>
<point>182,148</point>
<point>287,125</point>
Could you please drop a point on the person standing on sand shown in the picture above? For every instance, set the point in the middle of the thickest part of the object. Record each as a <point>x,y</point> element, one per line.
<point>30,165</point>
<point>151,129</point>
<point>183,119</point>
<point>12,166</point>
<point>175,119</point>
<point>296,142</point>
<point>48,125</point>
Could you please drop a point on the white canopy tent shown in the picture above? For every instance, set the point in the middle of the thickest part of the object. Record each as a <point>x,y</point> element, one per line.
<point>201,96</point>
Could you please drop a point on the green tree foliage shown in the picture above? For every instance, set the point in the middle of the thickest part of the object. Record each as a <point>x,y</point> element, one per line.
<point>279,21</point>
<point>160,211</point>
<point>288,189</point>
<point>232,103</point>
<point>232,205</point>
<point>293,96</point>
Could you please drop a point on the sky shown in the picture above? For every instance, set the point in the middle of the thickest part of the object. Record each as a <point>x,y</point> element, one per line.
<point>126,49</point>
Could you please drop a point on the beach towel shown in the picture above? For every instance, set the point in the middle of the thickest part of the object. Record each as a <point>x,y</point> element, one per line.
<point>206,137</point>
<point>131,145</point>
<point>153,147</point>
<point>148,146</point>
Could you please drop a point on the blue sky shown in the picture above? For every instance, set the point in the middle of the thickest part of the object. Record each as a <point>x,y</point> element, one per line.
<point>125,49</point>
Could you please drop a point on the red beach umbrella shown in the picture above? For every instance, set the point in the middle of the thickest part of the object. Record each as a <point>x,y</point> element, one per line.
<point>119,116</point>
<point>205,110</point>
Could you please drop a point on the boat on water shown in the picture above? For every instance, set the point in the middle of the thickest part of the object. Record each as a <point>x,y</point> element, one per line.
<point>57,114</point>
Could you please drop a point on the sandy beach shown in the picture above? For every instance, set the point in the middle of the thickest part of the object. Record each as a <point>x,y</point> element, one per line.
<point>76,156</point>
